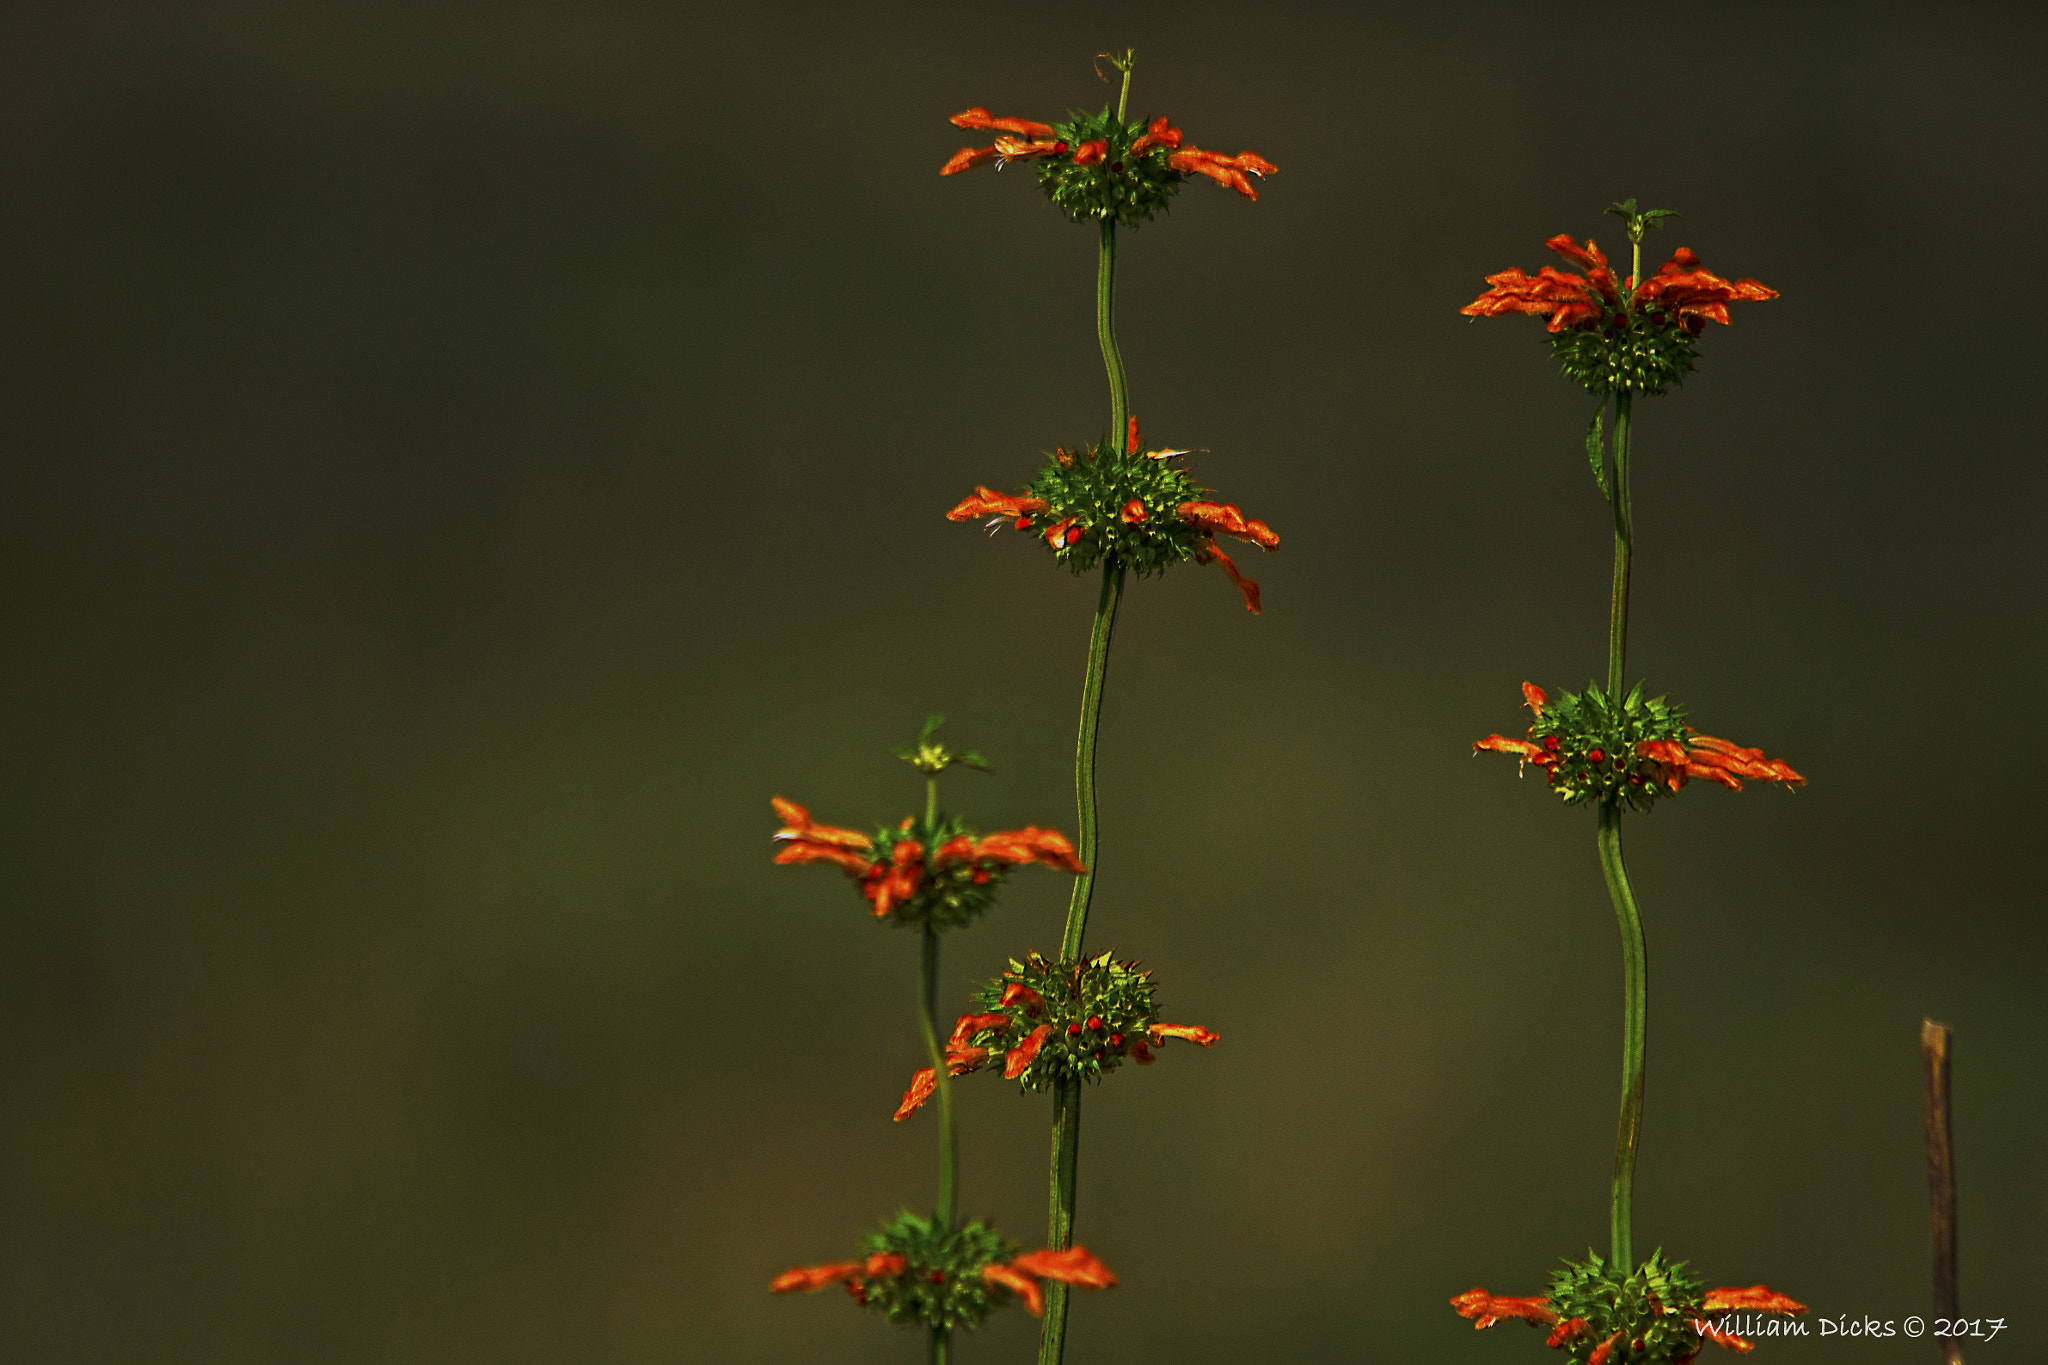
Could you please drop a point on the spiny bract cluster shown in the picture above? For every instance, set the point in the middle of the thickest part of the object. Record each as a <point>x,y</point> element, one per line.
<point>1597,748</point>
<point>1644,1319</point>
<point>1067,1019</point>
<point>938,1282</point>
<point>1103,501</point>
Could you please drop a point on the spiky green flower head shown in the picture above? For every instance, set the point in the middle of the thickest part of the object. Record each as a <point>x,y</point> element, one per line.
<point>1067,1019</point>
<point>1645,352</point>
<point>1116,170</point>
<point>1597,748</point>
<point>1134,508</point>
<point>1647,1316</point>
<point>938,1282</point>
<point>1634,754</point>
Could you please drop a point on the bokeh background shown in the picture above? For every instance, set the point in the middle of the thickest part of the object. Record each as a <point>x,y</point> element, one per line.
<point>459,461</point>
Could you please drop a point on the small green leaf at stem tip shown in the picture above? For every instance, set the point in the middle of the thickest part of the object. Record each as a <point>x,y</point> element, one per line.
<point>1596,451</point>
<point>931,758</point>
<point>1639,221</point>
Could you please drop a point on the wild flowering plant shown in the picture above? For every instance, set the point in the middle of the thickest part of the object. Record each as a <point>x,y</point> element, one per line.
<point>1618,750</point>
<point>1052,1022</point>
<point>1116,507</point>
<point>930,875</point>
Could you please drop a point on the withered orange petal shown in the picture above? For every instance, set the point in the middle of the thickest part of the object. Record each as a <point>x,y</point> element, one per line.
<point>923,1085</point>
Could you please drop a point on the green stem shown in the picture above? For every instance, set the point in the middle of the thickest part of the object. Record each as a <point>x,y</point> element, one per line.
<point>1084,755</point>
<point>1059,1232</point>
<point>1634,955</point>
<point>941,1346</point>
<point>949,1135</point>
<point>1105,333</point>
<point>1635,966</point>
<point>1624,550</point>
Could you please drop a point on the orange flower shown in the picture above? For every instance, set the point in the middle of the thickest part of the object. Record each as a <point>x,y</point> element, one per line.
<point>1072,1266</point>
<point>1717,760</point>
<point>1193,1033</point>
<point>1755,1299</point>
<point>1486,1309</point>
<point>1027,140</point>
<point>986,501</point>
<point>1227,171</point>
<point>809,1279</point>
<point>1021,1055</point>
<point>1160,133</point>
<point>1682,288</point>
<point>1226,518</point>
<point>812,843</point>
<point>1031,845</point>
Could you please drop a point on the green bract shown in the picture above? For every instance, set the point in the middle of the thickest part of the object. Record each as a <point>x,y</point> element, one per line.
<point>1117,185</point>
<point>1094,1011</point>
<point>1093,491</point>
<point>1594,745</point>
<point>1652,1309</point>
<point>1644,350</point>
<point>940,1284</point>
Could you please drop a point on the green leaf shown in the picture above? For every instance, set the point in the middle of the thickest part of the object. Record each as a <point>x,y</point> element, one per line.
<point>971,760</point>
<point>931,726</point>
<point>1596,449</point>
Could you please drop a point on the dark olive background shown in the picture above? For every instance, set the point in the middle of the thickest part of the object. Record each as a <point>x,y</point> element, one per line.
<point>460,461</point>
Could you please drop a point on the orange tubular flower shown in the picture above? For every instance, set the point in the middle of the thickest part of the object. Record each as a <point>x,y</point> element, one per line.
<point>1193,1033</point>
<point>1486,1309</point>
<point>1074,1266</point>
<point>987,502</point>
<point>1027,140</point>
<point>1031,845</point>
<point>1226,518</point>
<point>1021,1055</point>
<point>1227,171</point>
<point>1755,1299</point>
<point>809,1279</point>
<point>813,843</point>
<point>1682,288</point>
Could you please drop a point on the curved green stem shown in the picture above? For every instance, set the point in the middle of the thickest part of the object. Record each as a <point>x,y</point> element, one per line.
<point>949,1134</point>
<point>1624,550</point>
<point>1105,333</point>
<point>1084,755</point>
<point>1635,966</point>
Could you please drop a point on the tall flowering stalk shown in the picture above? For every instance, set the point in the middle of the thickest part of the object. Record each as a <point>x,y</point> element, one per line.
<point>1118,507</point>
<point>932,875</point>
<point>1619,750</point>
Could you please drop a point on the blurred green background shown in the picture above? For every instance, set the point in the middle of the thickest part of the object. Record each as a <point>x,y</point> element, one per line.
<point>459,461</point>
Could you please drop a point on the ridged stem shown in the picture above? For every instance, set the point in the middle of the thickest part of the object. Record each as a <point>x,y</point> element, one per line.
<point>1059,1230</point>
<point>1105,334</point>
<point>1635,968</point>
<point>1624,551</point>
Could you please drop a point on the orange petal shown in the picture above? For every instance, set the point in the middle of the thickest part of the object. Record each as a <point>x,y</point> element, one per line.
<point>1133,512</point>
<point>1604,1351</point>
<point>967,158</point>
<point>1486,1309</point>
<point>969,1024</point>
<point>797,824</point>
<point>809,1279</point>
<point>1075,1265</point>
<point>884,1263</point>
<point>807,852</point>
<point>988,502</point>
<point>1193,1033</point>
<point>1533,697</point>
<point>1226,518</point>
<point>1023,1286</point>
<point>922,1087</point>
<point>1088,153</point>
<point>1211,553</point>
<point>1565,1332</point>
<point>1755,1299</point>
<point>1031,845</point>
<point>979,117</point>
<point>1017,990</point>
<point>1131,441</point>
<point>1021,1056</point>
